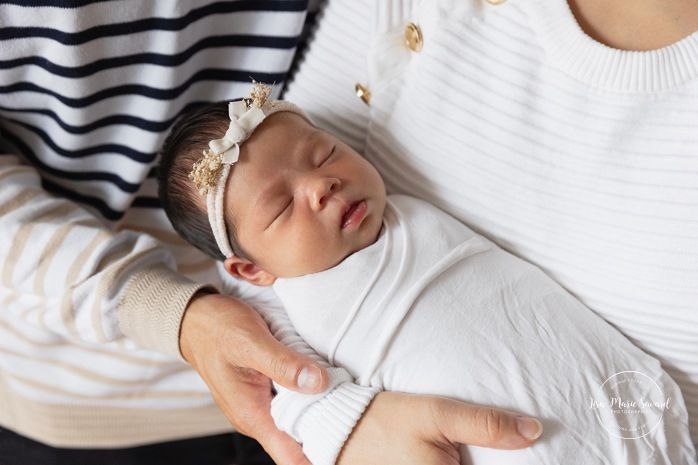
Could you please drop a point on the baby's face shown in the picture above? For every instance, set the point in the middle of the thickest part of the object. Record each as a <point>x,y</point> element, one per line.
<point>301,200</point>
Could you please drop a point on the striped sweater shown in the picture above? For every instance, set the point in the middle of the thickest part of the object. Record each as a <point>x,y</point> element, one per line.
<point>94,280</point>
<point>577,157</point>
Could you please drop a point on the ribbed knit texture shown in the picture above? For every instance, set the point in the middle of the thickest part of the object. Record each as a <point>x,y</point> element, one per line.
<point>343,406</point>
<point>577,157</point>
<point>165,294</point>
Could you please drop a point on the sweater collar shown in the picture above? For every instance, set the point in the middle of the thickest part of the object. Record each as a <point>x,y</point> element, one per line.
<point>596,64</point>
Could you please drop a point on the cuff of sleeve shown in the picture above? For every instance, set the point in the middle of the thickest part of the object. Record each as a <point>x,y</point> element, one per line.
<point>326,426</point>
<point>152,307</point>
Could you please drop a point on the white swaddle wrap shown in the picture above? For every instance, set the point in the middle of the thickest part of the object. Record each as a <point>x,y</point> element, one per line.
<point>434,308</point>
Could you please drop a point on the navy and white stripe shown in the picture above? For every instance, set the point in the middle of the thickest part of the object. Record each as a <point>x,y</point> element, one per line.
<point>91,301</point>
<point>90,114</point>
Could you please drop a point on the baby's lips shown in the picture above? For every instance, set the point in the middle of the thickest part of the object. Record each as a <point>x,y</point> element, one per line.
<point>354,214</point>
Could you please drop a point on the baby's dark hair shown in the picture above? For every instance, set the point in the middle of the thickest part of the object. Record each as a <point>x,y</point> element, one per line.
<point>183,147</point>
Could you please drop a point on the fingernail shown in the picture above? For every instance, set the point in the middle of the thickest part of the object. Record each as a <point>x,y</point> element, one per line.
<point>530,428</point>
<point>309,379</point>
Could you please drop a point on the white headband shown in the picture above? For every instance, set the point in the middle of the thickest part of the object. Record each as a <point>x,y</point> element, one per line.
<point>210,174</point>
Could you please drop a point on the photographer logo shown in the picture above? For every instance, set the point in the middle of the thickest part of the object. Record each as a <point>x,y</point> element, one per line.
<point>629,404</point>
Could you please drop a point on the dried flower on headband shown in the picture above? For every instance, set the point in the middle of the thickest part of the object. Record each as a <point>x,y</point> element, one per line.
<point>245,115</point>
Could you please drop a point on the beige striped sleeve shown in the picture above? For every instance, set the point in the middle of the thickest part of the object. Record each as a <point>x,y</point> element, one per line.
<point>87,281</point>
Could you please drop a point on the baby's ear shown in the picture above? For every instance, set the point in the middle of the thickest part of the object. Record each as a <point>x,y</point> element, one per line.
<point>242,268</point>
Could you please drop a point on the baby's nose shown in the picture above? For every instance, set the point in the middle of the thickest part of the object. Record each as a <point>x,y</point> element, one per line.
<point>320,190</point>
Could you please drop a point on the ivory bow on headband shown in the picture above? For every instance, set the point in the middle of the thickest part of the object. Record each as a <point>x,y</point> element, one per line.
<point>210,174</point>
<point>243,122</point>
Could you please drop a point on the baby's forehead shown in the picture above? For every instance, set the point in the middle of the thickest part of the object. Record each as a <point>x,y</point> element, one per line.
<point>290,119</point>
<point>288,132</point>
<point>265,159</point>
<point>282,139</point>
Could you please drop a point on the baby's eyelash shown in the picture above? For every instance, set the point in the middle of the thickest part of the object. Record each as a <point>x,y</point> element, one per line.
<point>281,212</point>
<point>285,208</point>
<point>329,155</point>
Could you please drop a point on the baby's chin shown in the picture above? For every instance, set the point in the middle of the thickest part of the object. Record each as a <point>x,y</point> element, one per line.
<point>372,236</point>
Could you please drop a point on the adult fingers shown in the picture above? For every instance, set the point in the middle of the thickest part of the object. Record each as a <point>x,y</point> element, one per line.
<point>407,429</point>
<point>465,423</point>
<point>255,421</point>
<point>282,448</point>
<point>260,351</point>
<point>250,415</point>
<point>219,327</point>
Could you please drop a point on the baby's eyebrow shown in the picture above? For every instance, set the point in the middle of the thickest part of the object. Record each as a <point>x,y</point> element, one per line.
<point>267,195</point>
<point>303,149</point>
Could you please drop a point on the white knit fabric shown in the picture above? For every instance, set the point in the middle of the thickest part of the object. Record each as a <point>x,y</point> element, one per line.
<point>577,157</point>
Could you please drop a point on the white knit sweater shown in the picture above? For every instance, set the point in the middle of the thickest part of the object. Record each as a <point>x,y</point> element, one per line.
<point>577,157</point>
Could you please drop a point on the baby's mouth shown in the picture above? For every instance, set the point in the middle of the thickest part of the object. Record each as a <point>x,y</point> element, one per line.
<point>354,214</point>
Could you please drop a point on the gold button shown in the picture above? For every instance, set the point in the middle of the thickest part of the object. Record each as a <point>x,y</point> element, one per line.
<point>496,2</point>
<point>413,37</point>
<point>363,93</point>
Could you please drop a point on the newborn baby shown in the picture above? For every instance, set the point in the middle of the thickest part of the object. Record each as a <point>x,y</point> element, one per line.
<point>406,297</point>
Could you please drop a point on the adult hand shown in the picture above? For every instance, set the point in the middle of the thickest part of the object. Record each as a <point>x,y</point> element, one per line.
<point>426,430</point>
<point>231,347</point>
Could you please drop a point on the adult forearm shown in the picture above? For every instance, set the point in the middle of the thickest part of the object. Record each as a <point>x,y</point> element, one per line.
<point>84,277</point>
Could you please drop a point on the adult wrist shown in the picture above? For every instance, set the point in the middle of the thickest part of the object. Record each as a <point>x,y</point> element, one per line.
<point>190,324</point>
